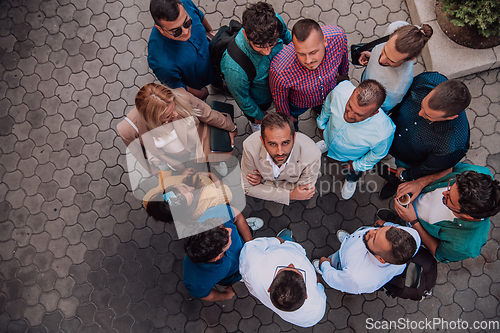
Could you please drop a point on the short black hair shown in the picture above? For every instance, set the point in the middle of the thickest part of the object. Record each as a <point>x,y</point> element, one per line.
<point>288,291</point>
<point>207,245</point>
<point>276,119</point>
<point>303,28</point>
<point>261,24</point>
<point>450,97</point>
<point>167,10</point>
<point>479,194</point>
<point>369,92</point>
<point>159,209</point>
<point>403,245</point>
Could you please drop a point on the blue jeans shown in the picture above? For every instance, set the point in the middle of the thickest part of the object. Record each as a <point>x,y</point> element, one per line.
<point>351,175</point>
<point>286,238</point>
<point>295,112</point>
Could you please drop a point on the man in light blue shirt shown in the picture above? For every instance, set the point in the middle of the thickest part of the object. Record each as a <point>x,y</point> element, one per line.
<point>369,257</point>
<point>261,38</point>
<point>354,130</point>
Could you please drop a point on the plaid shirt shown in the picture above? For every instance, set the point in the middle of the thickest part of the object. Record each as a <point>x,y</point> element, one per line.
<point>292,83</point>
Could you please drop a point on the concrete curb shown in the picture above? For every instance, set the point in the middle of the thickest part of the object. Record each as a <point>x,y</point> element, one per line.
<point>443,55</point>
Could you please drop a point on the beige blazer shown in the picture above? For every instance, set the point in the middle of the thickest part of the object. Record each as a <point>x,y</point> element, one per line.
<point>302,168</point>
<point>204,116</point>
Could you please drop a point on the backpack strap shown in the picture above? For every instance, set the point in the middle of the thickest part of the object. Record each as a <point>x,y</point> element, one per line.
<point>372,44</point>
<point>241,59</point>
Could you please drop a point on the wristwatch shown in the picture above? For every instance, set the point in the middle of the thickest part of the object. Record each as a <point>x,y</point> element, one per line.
<point>412,223</point>
<point>234,129</point>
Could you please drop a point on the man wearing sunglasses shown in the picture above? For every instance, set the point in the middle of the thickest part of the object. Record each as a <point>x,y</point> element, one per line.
<point>432,130</point>
<point>368,258</point>
<point>178,46</point>
<point>452,214</point>
<point>277,272</point>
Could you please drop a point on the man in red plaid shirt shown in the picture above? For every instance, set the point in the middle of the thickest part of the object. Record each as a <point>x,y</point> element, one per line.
<point>305,71</point>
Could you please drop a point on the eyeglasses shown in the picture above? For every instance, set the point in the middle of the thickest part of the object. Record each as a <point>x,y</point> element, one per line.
<point>449,196</point>
<point>176,32</point>
<point>278,268</point>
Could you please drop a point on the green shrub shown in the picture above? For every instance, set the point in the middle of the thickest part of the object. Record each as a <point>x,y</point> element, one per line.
<point>482,14</point>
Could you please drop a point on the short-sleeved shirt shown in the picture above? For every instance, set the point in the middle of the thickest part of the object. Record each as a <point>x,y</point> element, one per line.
<point>200,278</point>
<point>459,239</point>
<point>182,63</point>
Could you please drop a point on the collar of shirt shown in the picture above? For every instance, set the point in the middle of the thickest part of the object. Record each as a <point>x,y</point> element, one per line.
<point>277,170</point>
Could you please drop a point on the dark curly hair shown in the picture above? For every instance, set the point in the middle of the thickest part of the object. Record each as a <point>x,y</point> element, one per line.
<point>479,194</point>
<point>261,24</point>
<point>207,245</point>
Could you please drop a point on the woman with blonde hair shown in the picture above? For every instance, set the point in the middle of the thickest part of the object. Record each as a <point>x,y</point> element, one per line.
<point>172,125</point>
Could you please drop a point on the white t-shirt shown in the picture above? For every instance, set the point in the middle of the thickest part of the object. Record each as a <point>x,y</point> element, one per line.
<point>430,207</point>
<point>396,80</point>
<point>169,142</point>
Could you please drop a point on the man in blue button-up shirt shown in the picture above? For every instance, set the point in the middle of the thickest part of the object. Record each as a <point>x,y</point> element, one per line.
<point>178,47</point>
<point>355,131</point>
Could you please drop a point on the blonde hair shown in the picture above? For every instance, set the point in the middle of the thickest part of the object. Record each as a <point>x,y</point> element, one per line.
<point>153,99</point>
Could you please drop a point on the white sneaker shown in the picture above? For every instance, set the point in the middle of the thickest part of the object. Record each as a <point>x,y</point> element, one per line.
<point>255,127</point>
<point>255,223</point>
<point>322,146</point>
<point>342,235</point>
<point>221,168</point>
<point>348,190</point>
<point>317,267</point>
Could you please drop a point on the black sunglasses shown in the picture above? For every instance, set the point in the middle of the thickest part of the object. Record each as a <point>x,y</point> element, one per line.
<point>178,31</point>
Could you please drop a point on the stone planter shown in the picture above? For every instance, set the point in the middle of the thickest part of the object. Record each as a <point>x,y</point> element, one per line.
<point>443,55</point>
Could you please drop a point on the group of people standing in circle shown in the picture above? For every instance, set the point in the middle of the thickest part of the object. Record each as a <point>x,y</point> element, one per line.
<point>419,120</point>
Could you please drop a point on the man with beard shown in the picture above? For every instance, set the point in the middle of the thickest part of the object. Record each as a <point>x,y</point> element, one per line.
<point>452,215</point>
<point>306,70</point>
<point>368,258</point>
<point>354,130</point>
<point>277,163</point>
<point>391,63</point>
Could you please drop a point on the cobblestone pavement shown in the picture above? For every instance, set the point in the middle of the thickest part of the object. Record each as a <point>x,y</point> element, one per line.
<point>78,253</point>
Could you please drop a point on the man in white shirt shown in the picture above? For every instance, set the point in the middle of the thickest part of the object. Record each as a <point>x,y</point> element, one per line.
<point>277,163</point>
<point>277,272</point>
<point>369,258</point>
<point>391,63</point>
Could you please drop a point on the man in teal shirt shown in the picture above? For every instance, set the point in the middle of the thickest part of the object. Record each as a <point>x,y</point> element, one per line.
<point>453,211</point>
<point>261,38</point>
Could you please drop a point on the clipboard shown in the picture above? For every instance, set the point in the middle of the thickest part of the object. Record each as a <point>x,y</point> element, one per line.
<point>220,141</point>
